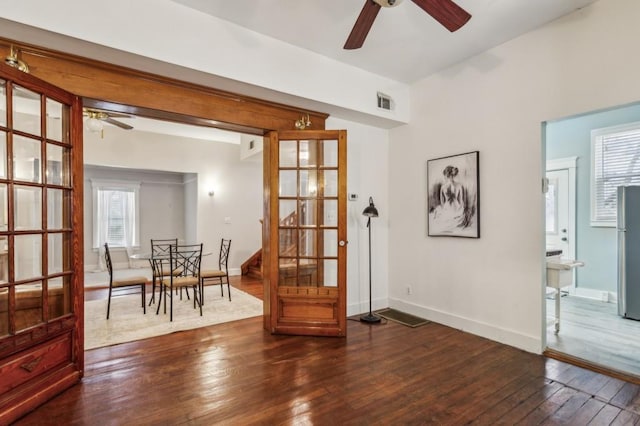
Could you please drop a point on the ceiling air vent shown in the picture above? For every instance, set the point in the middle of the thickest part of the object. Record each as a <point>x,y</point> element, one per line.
<point>384,101</point>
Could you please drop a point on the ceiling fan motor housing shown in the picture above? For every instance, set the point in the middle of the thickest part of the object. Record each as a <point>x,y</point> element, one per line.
<point>388,3</point>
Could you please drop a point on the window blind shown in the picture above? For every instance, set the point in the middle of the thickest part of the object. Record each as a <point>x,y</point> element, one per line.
<point>116,217</point>
<point>616,161</point>
<point>115,213</point>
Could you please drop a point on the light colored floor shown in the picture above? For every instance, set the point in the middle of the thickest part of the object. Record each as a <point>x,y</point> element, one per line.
<point>101,279</point>
<point>593,331</point>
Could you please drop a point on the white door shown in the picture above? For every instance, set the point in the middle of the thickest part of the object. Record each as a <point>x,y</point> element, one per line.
<point>557,212</point>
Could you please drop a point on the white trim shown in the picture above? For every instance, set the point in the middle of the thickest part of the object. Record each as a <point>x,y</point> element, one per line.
<point>498,334</point>
<point>568,163</point>
<point>233,272</point>
<point>596,134</point>
<point>363,306</point>
<point>599,295</point>
<point>562,163</point>
<point>114,185</point>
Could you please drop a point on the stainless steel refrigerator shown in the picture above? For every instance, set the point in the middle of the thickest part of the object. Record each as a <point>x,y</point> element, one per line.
<point>629,251</point>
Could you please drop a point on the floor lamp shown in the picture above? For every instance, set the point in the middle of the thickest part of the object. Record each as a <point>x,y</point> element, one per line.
<point>370,211</point>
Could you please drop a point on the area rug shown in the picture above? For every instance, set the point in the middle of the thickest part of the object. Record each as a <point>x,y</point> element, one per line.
<point>127,323</point>
<point>402,317</point>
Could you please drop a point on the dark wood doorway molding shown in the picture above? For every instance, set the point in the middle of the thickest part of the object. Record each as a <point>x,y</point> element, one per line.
<point>127,90</point>
<point>122,89</point>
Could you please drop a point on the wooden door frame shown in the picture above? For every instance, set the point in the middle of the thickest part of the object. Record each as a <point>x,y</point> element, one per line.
<point>43,360</point>
<point>326,299</point>
<point>127,90</point>
<point>141,93</point>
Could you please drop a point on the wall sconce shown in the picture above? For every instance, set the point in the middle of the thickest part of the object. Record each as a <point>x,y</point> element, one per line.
<point>13,61</point>
<point>303,122</point>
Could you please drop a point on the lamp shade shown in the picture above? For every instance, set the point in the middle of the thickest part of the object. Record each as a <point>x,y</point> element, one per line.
<point>370,210</point>
<point>94,125</point>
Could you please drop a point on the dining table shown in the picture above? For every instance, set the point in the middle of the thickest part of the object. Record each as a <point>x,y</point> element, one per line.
<point>148,256</point>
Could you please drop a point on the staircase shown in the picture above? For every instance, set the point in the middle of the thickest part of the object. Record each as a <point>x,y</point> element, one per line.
<point>252,267</point>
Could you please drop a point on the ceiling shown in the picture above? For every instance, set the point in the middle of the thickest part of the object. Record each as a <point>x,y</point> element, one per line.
<point>404,44</point>
<point>162,127</point>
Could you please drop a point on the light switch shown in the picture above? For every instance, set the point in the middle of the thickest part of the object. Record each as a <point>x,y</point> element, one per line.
<point>227,220</point>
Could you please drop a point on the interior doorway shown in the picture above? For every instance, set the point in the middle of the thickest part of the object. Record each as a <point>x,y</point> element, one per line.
<point>193,183</point>
<point>560,207</point>
<point>591,333</point>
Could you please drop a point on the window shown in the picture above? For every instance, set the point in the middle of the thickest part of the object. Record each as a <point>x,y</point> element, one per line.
<point>615,158</point>
<point>115,214</point>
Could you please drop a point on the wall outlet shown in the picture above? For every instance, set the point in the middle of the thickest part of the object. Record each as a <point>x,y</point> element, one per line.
<point>409,290</point>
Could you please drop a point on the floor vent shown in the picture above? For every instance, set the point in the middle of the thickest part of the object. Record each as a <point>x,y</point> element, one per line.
<point>401,317</point>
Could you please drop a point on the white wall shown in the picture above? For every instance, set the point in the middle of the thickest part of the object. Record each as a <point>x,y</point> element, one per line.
<point>237,185</point>
<point>496,103</point>
<point>238,195</point>
<point>159,192</point>
<point>367,175</point>
<point>190,214</point>
<point>326,81</point>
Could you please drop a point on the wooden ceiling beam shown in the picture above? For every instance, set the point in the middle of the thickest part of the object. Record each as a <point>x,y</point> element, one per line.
<point>124,89</point>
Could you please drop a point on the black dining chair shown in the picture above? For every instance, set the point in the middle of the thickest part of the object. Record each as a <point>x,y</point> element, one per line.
<point>123,283</point>
<point>218,276</point>
<point>159,249</point>
<point>185,258</point>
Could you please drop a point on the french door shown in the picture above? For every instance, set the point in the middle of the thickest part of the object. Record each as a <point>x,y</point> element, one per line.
<point>41,300</point>
<point>305,232</point>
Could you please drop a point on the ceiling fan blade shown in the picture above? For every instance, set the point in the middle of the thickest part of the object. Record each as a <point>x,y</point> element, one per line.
<point>118,115</point>
<point>449,14</point>
<point>118,123</point>
<point>363,25</point>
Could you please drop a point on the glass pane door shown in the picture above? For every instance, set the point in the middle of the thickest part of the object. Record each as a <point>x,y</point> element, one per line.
<point>35,209</point>
<point>307,260</point>
<point>308,202</point>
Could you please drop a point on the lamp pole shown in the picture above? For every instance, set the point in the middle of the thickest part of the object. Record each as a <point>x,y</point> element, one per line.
<point>370,211</point>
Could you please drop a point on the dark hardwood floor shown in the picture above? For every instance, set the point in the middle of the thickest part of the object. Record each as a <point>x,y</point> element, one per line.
<point>237,373</point>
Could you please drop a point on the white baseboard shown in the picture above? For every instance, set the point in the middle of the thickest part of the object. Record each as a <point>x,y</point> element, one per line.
<point>144,264</point>
<point>599,295</point>
<point>139,264</point>
<point>502,335</point>
<point>90,268</point>
<point>362,307</point>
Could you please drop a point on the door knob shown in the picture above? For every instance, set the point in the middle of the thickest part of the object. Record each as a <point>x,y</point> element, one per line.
<point>342,243</point>
<point>564,230</point>
<point>564,238</point>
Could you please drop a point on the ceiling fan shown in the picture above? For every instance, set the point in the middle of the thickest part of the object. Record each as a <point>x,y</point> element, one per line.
<point>449,14</point>
<point>96,117</point>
